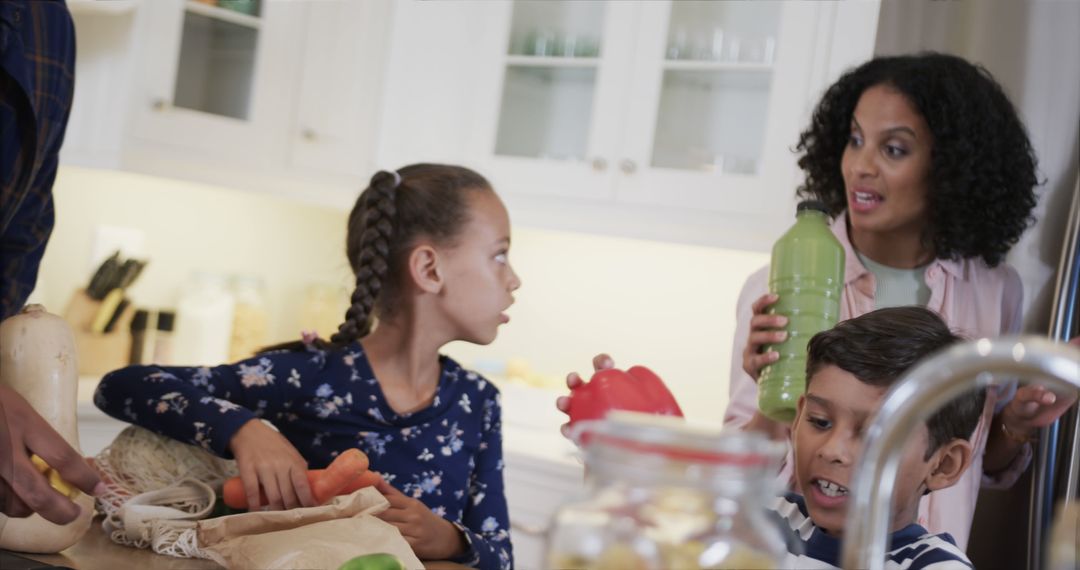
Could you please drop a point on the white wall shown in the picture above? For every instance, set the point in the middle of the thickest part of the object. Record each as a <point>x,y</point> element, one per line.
<point>667,306</point>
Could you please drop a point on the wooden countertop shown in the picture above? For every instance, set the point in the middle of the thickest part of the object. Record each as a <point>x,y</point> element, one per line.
<point>96,552</point>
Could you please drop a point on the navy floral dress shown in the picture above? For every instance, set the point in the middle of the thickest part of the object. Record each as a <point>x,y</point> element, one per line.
<point>448,455</point>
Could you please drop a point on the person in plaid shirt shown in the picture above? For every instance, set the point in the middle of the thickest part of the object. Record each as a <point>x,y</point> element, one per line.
<point>37,78</point>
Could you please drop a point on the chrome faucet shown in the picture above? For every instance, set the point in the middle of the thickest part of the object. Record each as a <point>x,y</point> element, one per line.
<point>911,401</point>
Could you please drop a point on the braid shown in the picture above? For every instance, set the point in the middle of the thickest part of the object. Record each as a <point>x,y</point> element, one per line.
<point>377,212</point>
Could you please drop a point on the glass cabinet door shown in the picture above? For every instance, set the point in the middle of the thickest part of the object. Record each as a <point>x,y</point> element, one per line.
<point>714,95</point>
<point>216,77</point>
<point>550,80</point>
<point>554,117</point>
<point>218,48</point>
<point>710,119</point>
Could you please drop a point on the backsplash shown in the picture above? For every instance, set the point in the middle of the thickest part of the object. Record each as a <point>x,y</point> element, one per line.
<point>189,227</point>
<point>667,306</point>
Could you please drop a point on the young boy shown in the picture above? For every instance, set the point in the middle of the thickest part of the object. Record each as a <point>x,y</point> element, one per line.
<point>849,369</point>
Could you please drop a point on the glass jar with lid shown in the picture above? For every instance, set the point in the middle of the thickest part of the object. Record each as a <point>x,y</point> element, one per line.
<point>662,495</point>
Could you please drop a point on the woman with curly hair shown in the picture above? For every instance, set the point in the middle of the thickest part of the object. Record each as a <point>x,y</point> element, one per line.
<point>930,178</point>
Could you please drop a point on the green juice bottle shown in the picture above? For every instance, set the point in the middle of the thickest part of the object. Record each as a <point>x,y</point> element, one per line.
<point>807,272</point>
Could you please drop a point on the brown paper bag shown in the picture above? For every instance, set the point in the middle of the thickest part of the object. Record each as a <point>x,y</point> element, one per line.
<point>315,537</point>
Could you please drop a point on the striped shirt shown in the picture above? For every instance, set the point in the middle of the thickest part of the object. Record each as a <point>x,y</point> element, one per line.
<point>37,80</point>
<point>910,548</point>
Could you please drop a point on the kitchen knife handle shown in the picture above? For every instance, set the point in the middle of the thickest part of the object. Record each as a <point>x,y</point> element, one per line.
<point>105,311</point>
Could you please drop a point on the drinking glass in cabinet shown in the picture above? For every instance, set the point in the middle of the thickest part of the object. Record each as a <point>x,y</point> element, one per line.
<point>218,52</point>
<point>249,7</point>
<point>556,29</point>
<point>723,31</point>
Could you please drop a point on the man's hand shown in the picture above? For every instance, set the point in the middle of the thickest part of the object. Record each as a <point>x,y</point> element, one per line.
<point>23,489</point>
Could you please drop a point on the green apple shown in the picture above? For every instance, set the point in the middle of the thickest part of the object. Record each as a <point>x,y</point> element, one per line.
<point>379,561</point>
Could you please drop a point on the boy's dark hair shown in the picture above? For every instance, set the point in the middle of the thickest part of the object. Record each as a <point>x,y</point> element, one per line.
<point>880,346</point>
<point>384,224</point>
<point>982,167</point>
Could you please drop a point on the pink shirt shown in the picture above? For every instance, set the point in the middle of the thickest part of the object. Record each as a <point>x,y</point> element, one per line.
<point>975,300</point>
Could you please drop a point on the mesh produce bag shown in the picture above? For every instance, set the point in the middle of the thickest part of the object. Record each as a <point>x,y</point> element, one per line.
<point>156,489</point>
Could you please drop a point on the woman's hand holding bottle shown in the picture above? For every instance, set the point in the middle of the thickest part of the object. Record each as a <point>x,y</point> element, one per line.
<point>764,329</point>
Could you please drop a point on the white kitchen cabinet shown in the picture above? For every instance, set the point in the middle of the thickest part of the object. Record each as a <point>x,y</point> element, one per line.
<point>542,468</point>
<point>535,488</point>
<point>340,88</point>
<point>282,100</point>
<point>216,83</point>
<point>657,119</point>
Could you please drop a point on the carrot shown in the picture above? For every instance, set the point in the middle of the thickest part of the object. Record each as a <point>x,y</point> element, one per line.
<point>366,479</point>
<point>346,474</point>
<point>347,466</point>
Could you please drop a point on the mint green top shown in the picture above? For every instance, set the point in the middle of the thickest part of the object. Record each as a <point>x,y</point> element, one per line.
<point>897,287</point>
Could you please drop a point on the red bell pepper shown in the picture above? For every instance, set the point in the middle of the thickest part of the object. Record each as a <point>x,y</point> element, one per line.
<point>637,390</point>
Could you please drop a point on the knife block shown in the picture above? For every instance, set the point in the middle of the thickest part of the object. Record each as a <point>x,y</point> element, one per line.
<point>99,353</point>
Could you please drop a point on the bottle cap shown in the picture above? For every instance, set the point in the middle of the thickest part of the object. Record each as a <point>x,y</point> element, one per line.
<point>812,205</point>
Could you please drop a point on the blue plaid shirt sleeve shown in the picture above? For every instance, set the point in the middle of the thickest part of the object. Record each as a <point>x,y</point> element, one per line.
<point>37,67</point>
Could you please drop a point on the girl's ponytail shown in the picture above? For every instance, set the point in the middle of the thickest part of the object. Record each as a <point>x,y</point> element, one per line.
<point>369,256</point>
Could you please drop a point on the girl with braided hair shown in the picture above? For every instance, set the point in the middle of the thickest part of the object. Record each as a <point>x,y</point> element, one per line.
<point>428,246</point>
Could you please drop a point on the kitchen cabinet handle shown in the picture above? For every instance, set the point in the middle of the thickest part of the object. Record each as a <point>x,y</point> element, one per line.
<point>599,164</point>
<point>628,166</point>
<point>309,134</point>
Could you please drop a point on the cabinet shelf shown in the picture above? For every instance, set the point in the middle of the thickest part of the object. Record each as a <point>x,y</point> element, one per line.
<point>704,65</point>
<point>223,14</point>
<point>551,61</point>
<point>112,7</point>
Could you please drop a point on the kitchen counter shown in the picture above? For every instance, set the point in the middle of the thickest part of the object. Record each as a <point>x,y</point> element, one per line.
<point>543,469</point>
<point>96,552</point>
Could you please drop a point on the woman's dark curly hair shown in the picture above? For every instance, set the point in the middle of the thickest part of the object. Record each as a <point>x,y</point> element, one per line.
<point>982,171</point>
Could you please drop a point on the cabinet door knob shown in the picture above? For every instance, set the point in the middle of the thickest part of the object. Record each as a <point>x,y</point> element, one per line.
<point>309,134</point>
<point>159,104</point>
<point>599,164</point>
<point>628,166</point>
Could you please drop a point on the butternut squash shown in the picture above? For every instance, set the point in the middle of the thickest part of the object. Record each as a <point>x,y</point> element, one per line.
<point>38,360</point>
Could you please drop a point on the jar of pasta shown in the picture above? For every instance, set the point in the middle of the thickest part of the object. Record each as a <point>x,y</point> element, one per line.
<point>251,323</point>
<point>662,495</point>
